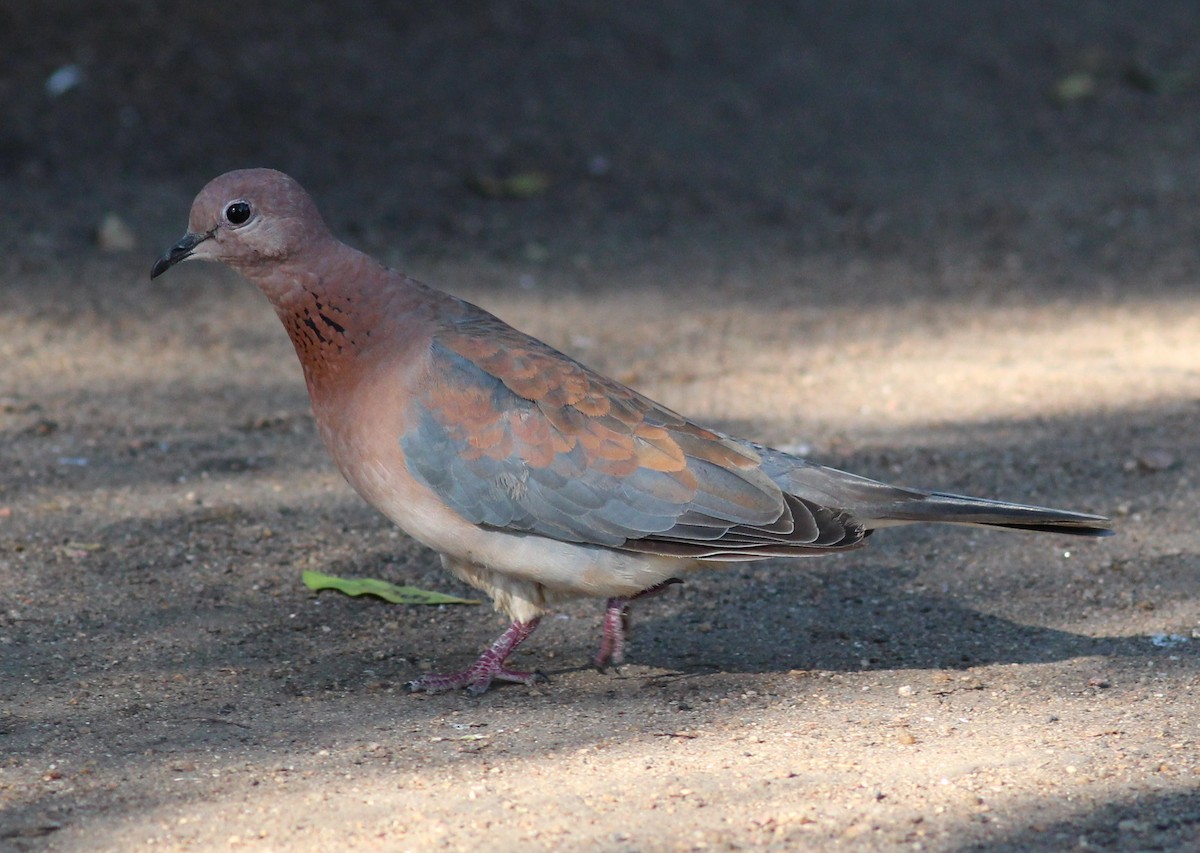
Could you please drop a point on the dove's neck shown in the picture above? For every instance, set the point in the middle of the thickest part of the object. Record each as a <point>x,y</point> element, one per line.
<point>341,308</point>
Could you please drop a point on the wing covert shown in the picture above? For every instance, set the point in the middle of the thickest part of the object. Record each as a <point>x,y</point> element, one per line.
<point>514,435</point>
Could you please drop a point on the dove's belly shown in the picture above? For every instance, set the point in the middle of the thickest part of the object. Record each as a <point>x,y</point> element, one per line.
<point>370,458</point>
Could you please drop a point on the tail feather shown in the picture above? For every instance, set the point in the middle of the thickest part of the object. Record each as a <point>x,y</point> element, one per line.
<point>877,504</point>
<point>916,507</point>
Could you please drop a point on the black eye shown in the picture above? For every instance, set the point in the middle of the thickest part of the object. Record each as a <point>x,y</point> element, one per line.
<point>237,212</point>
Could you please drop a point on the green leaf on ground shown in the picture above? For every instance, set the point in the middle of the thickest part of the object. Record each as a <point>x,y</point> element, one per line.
<point>516,186</point>
<point>1075,86</point>
<point>316,581</point>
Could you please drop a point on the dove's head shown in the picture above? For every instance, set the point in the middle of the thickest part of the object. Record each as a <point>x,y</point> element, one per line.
<point>245,219</point>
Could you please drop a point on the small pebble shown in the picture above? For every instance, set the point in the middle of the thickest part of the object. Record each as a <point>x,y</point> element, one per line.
<point>114,235</point>
<point>64,80</point>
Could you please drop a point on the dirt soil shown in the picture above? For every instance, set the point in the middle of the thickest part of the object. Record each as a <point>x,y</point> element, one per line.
<point>945,244</point>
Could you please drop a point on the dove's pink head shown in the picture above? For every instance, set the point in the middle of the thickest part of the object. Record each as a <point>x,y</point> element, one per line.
<point>247,218</point>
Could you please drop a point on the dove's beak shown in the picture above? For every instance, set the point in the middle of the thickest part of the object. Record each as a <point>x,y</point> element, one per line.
<point>181,251</point>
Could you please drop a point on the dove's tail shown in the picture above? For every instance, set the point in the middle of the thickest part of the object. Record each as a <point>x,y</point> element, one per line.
<point>913,507</point>
<point>874,504</point>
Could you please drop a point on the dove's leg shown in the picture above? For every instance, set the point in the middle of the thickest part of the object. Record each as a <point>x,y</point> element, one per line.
<point>616,626</point>
<point>612,639</point>
<point>478,677</point>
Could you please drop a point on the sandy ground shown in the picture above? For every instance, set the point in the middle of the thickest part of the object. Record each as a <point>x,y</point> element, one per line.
<point>879,241</point>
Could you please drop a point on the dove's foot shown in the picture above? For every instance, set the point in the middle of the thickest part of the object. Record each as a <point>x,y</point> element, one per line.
<point>478,677</point>
<point>616,626</point>
<point>612,638</point>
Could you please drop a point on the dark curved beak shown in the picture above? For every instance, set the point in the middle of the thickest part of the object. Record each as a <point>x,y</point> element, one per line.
<point>181,251</point>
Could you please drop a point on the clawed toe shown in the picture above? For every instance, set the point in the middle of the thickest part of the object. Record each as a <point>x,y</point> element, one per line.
<point>476,683</point>
<point>616,626</point>
<point>490,667</point>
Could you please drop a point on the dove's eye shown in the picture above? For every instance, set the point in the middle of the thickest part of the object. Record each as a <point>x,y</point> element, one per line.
<point>237,213</point>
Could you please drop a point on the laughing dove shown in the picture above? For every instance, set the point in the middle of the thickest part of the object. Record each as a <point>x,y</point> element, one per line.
<point>535,478</point>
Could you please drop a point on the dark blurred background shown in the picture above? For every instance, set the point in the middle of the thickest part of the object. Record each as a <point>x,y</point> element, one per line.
<point>1058,135</point>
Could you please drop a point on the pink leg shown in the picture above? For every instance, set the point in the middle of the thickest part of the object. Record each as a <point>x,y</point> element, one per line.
<point>612,638</point>
<point>490,666</point>
<point>616,626</point>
